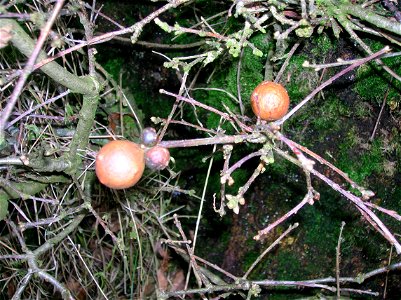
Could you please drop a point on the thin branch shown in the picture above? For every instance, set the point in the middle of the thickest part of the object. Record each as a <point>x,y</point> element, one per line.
<point>276,242</point>
<point>44,103</point>
<point>197,103</point>
<point>226,139</point>
<point>330,81</point>
<point>291,212</point>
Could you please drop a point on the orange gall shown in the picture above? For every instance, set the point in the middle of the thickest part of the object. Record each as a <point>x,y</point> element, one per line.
<point>270,101</point>
<point>120,164</point>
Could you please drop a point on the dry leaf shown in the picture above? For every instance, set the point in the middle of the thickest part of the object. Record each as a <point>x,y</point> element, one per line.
<point>178,281</point>
<point>162,280</point>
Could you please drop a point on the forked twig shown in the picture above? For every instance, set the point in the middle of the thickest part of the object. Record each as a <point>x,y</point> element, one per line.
<point>276,242</point>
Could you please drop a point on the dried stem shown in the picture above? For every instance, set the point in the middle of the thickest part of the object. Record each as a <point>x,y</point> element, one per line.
<point>199,277</point>
<point>338,259</point>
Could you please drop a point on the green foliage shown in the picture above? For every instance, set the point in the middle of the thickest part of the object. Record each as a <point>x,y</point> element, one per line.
<point>69,111</point>
<point>33,131</point>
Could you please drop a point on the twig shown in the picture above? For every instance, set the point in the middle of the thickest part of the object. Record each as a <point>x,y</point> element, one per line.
<point>361,205</point>
<point>293,211</point>
<point>365,193</point>
<point>391,213</point>
<point>200,33</point>
<point>341,62</point>
<point>241,105</point>
<point>199,277</point>
<point>226,139</point>
<point>372,136</point>
<point>246,285</point>
<point>32,257</point>
<point>200,259</point>
<point>243,189</point>
<point>87,204</point>
<point>187,124</point>
<point>286,62</point>
<point>49,244</point>
<point>349,27</point>
<point>88,269</point>
<point>370,17</point>
<point>276,242</point>
<point>200,211</point>
<point>338,257</point>
<point>88,26</point>
<point>48,101</point>
<point>314,283</point>
<point>227,175</point>
<point>386,280</point>
<point>173,109</point>
<point>22,285</point>
<point>134,29</point>
<point>227,152</point>
<point>197,103</point>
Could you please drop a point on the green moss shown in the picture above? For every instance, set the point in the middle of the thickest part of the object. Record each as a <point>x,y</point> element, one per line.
<point>303,80</point>
<point>360,164</point>
<point>329,114</point>
<point>252,69</point>
<point>322,45</point>
<point>288,266</point>
<point>320,239</point>
<point>373,83</point>
<point>362,110</point>
<point>301,83</point>
<point>249,259</point>
<point>113,66</point>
